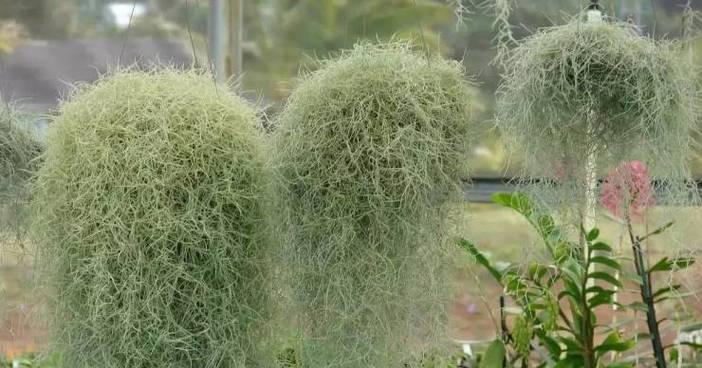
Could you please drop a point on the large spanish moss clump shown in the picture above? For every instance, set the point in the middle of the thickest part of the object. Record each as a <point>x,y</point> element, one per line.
<point>371,150</point>
<point>19,152</point>
<point>587,96</point>
<point>151,224</point>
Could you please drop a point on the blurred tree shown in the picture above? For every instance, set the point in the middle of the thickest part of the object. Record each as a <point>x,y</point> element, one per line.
<point>12,34</point>
<point>282,36</point>
<point>92,17</point>
<point>279,34</point>
<point>290,30</point>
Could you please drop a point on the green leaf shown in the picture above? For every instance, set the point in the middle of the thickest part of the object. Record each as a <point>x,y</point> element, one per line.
<point>663,265</point>
<point>551,344</point>
<point>604,276</point>
<point>683,262</point>
<point>570,289</point>
<point>595,289</point>
<point>519,202</point>
<point>494,356</point>
<point>620,365</point>
<point>666,264</point>
<point>571,361</point>
<point>480,258</point>
<point>661,229</point>
<point>614,342</point>
<point>515,285</point>
<point>606,261</point>
<point>572,346</point>
<point>673,354</point>
<point>666,290</point>
<point>593,235</point>
<point>602,247</point>
<point>572,271</point>
<point>547,225</point>
<point>575,297</point>
<point>537,271</point>
<point>562,252</point>
<point>601,298</point>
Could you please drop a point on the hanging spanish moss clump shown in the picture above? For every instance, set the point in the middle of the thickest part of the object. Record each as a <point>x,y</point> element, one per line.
<point>371,151</point>
<point>150,222</point>
<point>19,152</point>
<point>587,96</point>
<point>502,26</point>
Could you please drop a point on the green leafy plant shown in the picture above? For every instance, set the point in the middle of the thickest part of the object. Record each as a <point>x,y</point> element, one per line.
<point>557,302</point>
<point>650,296</point>
<point>370,150</point>
<point>151,224</point>
<point>555,318</point>
<point>627,193</point>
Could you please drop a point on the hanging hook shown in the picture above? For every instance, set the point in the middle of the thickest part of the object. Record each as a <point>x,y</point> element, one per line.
<point>594,12</point>
<point>595,5</point>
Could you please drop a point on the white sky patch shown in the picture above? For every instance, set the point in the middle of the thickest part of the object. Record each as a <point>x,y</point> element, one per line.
<point>122,11</point>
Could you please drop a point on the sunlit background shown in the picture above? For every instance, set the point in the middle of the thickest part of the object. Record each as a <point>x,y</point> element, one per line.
<point>49,46</point>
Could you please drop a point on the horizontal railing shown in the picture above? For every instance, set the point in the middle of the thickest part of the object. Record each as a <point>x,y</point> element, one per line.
<point>480,189</point>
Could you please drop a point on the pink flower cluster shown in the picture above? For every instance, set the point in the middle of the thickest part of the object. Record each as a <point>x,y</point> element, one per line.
<point>627,190</point>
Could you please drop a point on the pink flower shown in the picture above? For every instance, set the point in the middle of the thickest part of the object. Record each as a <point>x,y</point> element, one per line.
<point>471,308</point>
<point>627,190</point>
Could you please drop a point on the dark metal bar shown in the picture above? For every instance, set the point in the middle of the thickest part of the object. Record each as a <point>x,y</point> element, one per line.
<point>480,189</point>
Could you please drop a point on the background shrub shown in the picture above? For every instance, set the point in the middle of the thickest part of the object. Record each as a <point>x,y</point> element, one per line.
<point>150,218</point>
<point>370,150</point>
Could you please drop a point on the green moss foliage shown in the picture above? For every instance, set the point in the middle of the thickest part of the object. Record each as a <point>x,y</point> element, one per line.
<point>151,224</point>
<point>370,150</point>
<point>598,90</point>
<point>19,157</point>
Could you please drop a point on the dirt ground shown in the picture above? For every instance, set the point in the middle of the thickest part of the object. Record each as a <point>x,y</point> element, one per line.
<point>20,329</point>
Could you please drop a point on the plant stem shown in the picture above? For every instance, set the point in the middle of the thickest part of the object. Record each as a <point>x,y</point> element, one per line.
<point>615,296</point>
<point>647,297</point>
<point>590,211</point>
<point>503,321</point>
<point>587,331</point>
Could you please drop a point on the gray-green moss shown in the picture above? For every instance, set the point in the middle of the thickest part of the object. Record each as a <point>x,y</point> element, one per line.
<point>151,225</point>
<point>370,150</point>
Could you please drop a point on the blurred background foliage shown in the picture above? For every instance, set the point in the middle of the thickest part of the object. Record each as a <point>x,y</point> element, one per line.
<point>282,37</point>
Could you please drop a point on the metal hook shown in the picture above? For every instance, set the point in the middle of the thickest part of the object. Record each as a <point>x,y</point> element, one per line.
<point>595,5</point>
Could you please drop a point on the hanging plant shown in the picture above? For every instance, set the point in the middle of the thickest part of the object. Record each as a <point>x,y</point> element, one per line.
<point>371,150</point>
<point>150,221</point>
<point>19,153</point>
<point>589,95</point>
<point>18,146</point>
